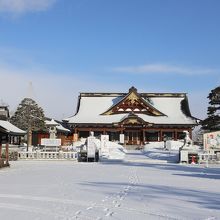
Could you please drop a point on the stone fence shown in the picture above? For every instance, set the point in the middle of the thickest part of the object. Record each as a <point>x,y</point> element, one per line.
<point>47,155</point>
<point>209,158</point>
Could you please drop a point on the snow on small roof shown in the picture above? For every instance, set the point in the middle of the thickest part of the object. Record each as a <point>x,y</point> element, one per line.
<point>52,122</point>
<point>91,108</point>
<point>61,128</point>
<point>11,129</point>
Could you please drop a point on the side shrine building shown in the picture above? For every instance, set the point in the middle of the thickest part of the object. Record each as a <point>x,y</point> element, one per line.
<point>141,117</point>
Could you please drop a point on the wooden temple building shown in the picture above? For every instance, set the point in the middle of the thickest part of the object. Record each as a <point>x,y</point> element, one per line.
<point>9,134</point>
<point>61,132</point>
<point>141,117</point>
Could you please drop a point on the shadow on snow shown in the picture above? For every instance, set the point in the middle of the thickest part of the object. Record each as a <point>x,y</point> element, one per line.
<point>150,192</point>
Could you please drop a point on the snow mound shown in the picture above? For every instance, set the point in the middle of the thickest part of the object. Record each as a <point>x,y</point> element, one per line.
<point>156,151</point>
<point>108,151</point>
<point>174,145</point>
<point>170,145</point>
<point>162,155</point>
<point>112,151</point>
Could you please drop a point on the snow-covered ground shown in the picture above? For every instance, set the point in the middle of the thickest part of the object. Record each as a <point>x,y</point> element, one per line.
<point>156,151</point>
<point>136,188</point>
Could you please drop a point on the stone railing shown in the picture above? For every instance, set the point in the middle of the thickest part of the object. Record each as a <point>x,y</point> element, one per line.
<point>208,158</point>
<point>48,155</point>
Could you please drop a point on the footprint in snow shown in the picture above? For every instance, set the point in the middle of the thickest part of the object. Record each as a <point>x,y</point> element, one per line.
<point>117,205</point>
<point>78,212</point>
<point>89,208</point>
<point>109,214</point>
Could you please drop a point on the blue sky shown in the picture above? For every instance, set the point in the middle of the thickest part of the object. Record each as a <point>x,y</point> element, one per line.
<point>69,46</point>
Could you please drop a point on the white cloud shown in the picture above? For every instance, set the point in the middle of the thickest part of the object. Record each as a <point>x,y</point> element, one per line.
<point>24,6</point>
<point>165,69</point>
<point>56,93</point>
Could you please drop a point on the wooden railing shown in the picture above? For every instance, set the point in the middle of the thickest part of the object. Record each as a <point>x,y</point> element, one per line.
<point>48,155</point>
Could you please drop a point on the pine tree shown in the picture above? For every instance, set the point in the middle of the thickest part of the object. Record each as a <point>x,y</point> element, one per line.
<point>29,117</point>
<point>212,122</point>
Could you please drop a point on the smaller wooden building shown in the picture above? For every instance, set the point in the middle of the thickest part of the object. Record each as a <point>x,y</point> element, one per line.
<point>8,134</point>
<point>62,133</point>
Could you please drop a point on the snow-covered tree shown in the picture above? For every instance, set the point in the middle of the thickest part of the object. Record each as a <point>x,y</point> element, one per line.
<point>212,122</point>
<point>29,117</point>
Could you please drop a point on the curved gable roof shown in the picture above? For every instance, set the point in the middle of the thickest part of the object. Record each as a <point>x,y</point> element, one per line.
<point>91,107</point>
<point>133,102</point>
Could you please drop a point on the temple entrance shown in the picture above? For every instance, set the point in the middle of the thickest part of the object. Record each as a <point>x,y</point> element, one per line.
<point>133,137</point>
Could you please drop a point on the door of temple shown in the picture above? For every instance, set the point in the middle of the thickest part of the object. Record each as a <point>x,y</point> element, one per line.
<point>133,137</point>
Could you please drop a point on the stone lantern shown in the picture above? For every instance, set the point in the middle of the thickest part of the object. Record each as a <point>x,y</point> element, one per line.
<point>52,128</point>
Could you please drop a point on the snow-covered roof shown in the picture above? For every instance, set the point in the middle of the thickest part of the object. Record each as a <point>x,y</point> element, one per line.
<point>59,127</point>
<point>52,122</point>
<point>10,128</point>
<point>92,106</point>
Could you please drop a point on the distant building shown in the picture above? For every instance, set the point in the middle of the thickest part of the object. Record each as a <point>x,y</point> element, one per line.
<point>62,133</point>
<point>141,117</point>
<point>8,131</point>
<point>4,113</point>
<point>9,134</point>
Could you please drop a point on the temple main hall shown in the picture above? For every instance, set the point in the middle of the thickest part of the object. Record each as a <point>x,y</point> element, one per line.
<point>140,117</point>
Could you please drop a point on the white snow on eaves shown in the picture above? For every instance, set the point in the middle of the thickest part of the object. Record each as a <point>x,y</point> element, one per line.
<point>10,128</point>
<point>91,109</point>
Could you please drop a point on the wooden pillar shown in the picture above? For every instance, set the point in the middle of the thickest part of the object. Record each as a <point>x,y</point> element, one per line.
<point>143,136</point>
<point>104,131</point>
<point>0,150</point>
<point>75,135</point>
<point>7,153</point>
<point>161,138</point>
<point>175,135</point>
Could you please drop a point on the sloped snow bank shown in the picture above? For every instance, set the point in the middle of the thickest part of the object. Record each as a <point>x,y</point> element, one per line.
<point>112,151</point>
<point>156,151</point>
<point>174,145</point>
<point>107,151</point>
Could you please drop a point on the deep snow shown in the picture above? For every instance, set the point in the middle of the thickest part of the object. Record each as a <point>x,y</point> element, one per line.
<point>137,188</point>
